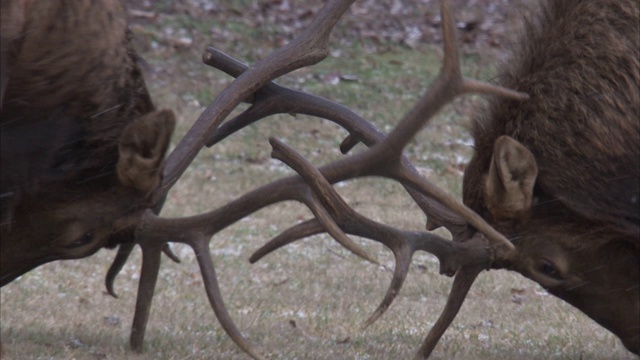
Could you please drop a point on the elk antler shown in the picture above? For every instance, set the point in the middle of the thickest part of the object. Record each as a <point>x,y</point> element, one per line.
<point>384,159</point>
<point>308,48</point>
<point>465,256</point>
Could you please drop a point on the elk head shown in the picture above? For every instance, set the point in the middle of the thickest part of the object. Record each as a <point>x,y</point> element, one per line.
<point>586,262</point>
<point>82,144</point>
<point>559,174</point>
<point>76,223</point>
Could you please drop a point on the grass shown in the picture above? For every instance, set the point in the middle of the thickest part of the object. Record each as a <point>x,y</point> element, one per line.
<point>310,299</point>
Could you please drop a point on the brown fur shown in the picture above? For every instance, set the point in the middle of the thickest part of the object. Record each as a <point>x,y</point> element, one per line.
<point>76,116</point>
<point>579,63</point>
<point>68,73</point>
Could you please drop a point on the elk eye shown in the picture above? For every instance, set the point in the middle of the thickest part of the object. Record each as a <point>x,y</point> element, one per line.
<point>83,240</point>
<point>548,269</point>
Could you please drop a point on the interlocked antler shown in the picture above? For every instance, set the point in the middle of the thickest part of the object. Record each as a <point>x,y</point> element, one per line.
<point>466,256</point>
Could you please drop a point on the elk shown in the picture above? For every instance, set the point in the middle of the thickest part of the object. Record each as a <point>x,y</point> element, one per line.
<point>559,174</point>
<point>82,143</point>
<point>475,244</point>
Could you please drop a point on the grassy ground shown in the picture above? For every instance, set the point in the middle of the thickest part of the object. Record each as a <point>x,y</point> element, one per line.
<point>309,300</point>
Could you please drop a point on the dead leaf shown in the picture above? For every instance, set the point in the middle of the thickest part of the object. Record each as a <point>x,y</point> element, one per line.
<point>112,320</point>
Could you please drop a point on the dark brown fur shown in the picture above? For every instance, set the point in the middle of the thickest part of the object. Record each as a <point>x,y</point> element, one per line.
<point>71,90</point>
<point>579,63</point>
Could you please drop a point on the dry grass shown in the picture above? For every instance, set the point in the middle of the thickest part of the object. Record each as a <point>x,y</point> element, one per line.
<point>309,300</point>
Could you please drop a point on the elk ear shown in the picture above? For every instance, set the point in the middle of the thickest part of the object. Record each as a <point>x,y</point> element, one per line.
<point>142,147</point>
<point>509,184</point>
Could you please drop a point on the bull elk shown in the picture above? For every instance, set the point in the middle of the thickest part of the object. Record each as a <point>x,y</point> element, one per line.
<point>559,174</point>
<point>569,224</point>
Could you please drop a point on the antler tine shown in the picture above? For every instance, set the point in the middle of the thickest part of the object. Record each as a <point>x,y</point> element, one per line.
<point>296,232</point>
<point>402,250</point>
<point>474,253</point>
<point>124,250</point>
<point>323,199</point>
<point>461,285</point>
<point>348,143</point>
<point>449,84</point>
<point>403,255</point>
<point>151,254</point>
<point>276,99</point>
<point>325,218</point>
<point>260,108</point>
<point>200,246</point>
<point>348,218</point>
<point>451,64</point>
